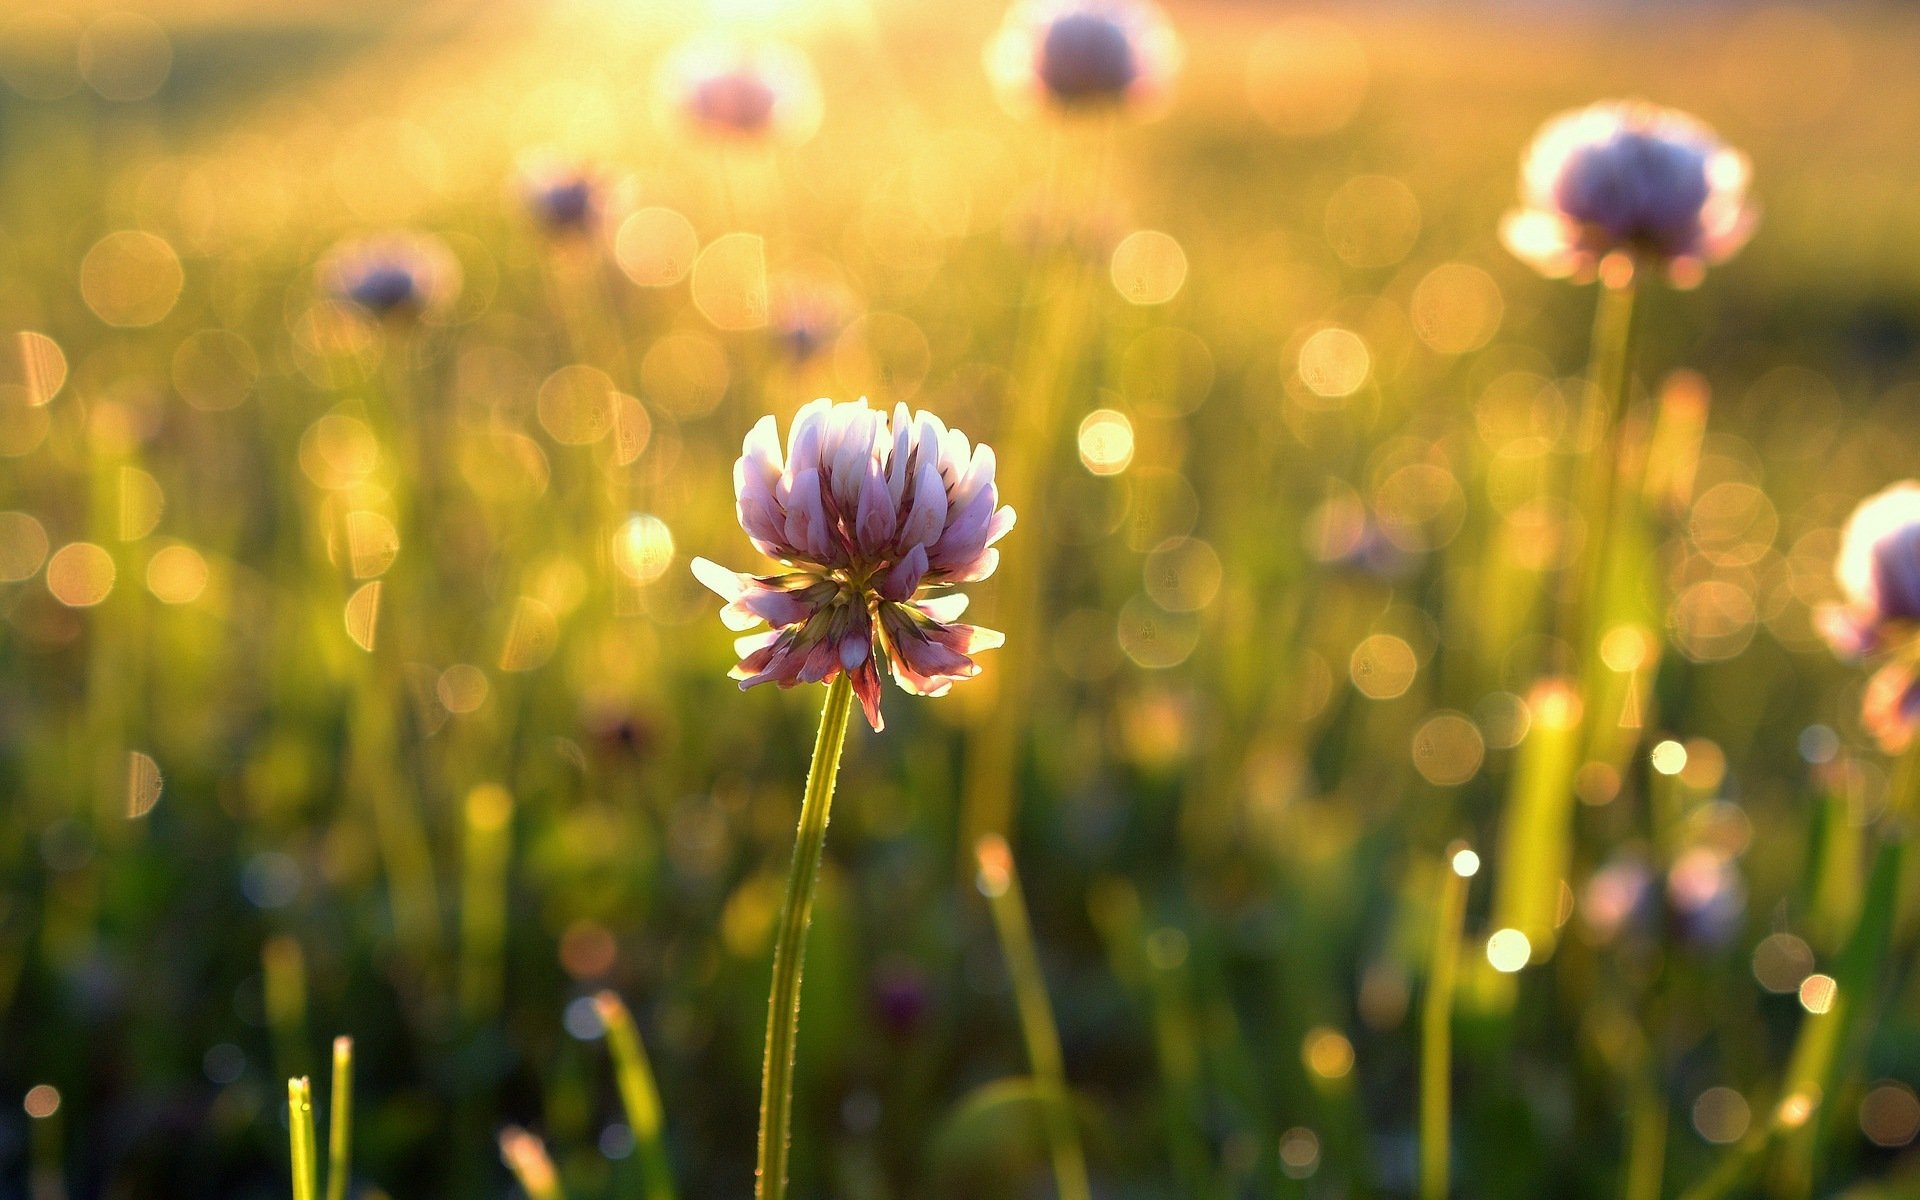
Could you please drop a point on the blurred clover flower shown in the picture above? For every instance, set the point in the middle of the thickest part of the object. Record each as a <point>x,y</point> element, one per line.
<point>1878,570</point>
<point>806,316</point>
<point>1083,54</point>
<point>749,93</point>
<point>397,275</point>
<point>562,198</point>
<point>877,520</point>
<point>1649,184</point>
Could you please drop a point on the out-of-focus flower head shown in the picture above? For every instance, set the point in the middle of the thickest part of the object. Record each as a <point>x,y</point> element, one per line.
<point>1078,55</point>
<point>742,92</point>
<point>806,315</point>
<point>1707,896</point>
<point>1618,898</point>
<point>563,198</point>
<point>902,996</point>
<point>1878,569</point>
<point>1629,183</point>
<point>876,521</point>
<point>393,275</point>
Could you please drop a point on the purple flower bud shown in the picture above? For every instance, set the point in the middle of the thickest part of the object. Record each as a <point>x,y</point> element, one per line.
<point>875,517</point>
<point>1619,178</point>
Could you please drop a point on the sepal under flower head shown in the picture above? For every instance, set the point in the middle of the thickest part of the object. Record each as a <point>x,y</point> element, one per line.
<point>1651,184</point>
<point>876,519</point>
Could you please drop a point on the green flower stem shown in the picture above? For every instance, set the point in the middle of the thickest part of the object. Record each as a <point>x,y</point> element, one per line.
<point>790,942</point>
<point>1436,1031</point>
<point>340,1126</point>
<point>638,1094</point>
<point>1605,403</point>
<point>1002,888</point>
<point>300,1134</point>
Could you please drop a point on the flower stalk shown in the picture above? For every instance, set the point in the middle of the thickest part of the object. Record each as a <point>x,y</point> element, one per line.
<point>340,1124</point>
<point>638,1094</point>
<point>790,942</point>
<point>300,1136</point>
<point>1436,1022</point>
<point>1002,889</point>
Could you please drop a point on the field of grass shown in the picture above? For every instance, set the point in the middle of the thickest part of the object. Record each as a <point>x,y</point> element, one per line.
<point>354,680</point>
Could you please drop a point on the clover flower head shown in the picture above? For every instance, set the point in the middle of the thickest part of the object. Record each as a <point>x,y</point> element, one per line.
<point>395,275</point>
<point>1083,54</point>
<point>747,93</point>
<point>1878,570</point>
<point>806,315</point>
<point>1630,183</point>
<point>875,521</point>
<point>562,198</point>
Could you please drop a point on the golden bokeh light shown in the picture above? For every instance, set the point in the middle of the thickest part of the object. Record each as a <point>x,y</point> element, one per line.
<point>215,370</point>
<point>1890,1114</point>
<point>1448,749</point>
<point>372,543</point>
<point>41,368</point>
<point>177,574</point>
<point>1334,362</point>
<point>1148,267</point>
<point>643,549</point>
<point>1782,962</point>
<point>42,1101</point>
<point>1183,575</point>
<point>1327,1052</point>
<point>143,784</point>
<point>576,405</point>
<point>656,247</point>
<point>730,281</point>
<point>685,375</point>
<point>125,57</point>
<point>1508,950</point>
<point>533,634</point>
<point>1721,1115</point>
<point>462,688</point>
<point>1382,666</point>
<point>1155,638</point>
<point>23,546</point>
<point>80,574</point>
<point>363,615</point>
<point>1457,308</point>
<point>1817,994</point>
<point>1106,441</point>
<point>131,278</point>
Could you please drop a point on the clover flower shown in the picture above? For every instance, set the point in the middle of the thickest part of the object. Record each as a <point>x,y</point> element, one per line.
<point>561,198</point>
<point>1083,54</point>
<point>1650,184</point>
<point>1878,570</point>
<point>747,93</point>
<point>395,275</point>
<point>876,521</point>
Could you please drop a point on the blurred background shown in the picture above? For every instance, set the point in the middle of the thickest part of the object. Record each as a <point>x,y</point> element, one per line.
<point>353,680</point>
